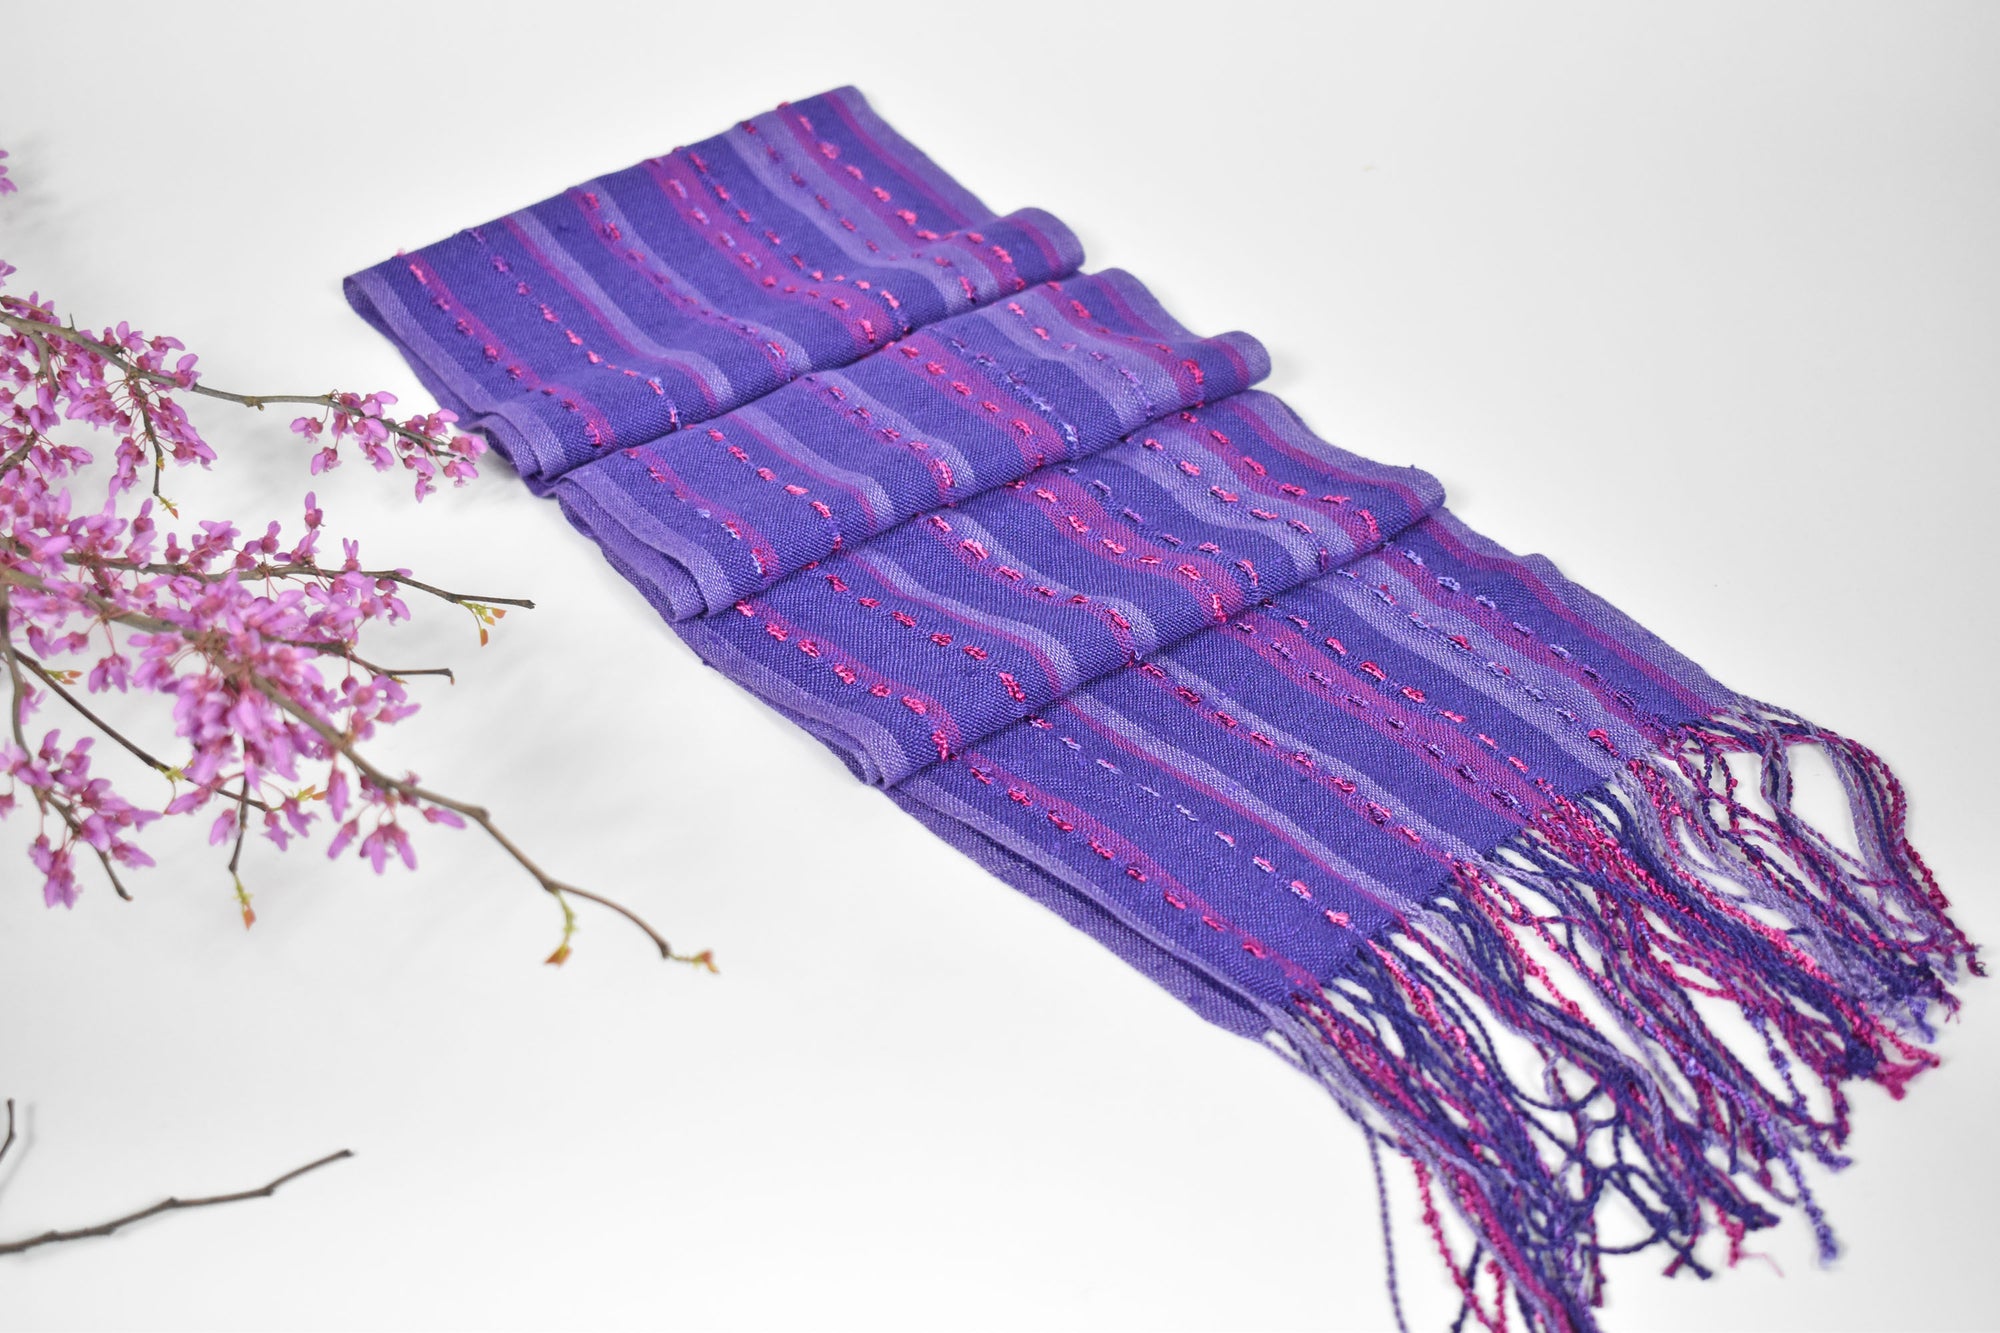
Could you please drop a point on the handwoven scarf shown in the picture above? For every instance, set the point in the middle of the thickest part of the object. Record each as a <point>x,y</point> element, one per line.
<point>1463,842</point>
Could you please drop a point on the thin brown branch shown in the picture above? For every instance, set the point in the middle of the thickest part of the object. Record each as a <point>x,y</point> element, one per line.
<point>61,692</point>
<point>167,1205</point>
<point>118,357</point>
<point>45,359</point>
<point>42,332</point>
<point>21,451</point>
<point>65,809</point>
<point>152,436</point>
<point>456,598</point>
<point>10,1130</point>
<point>45,798</point>
<point>409,791</point>
<point>111,612</point>
<point>132,747</point>
<point>399,672</point>
<point>242,827</point>
<point>106,608</point>
<point>346,653</point>
<point>17,702</point>
<point>330,648</point>
<point>295,569</point>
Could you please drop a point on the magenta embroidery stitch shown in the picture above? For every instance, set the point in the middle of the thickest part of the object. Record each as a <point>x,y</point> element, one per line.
<point>1263,717</point>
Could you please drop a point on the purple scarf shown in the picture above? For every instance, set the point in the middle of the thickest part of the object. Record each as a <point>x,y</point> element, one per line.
<point>1459,839</point>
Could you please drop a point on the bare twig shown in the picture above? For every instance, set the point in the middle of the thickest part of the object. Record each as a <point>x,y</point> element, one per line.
<point>168,1205</point>
<point>10,1130</point>
<point>236,855</point>
<point>346,653</point>
<point>242,827</point>
<point>479,815</point>
<point>152,438</point>
<point>399,672</point>
<point>456,598</point>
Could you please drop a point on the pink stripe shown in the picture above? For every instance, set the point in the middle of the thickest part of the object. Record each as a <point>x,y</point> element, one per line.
<point>596,314</point>
<point>1124,850</point>
<point>1178,364</point>
<point>884,210</point>
<point>859,496</point>
<point>762,552</point>
<point>893,163</point>
<point>678,169</point>
<point>1033,437</point>
<point>597,426</point>
<point>1357,524</point>
<point>1414,502</point>
<point>760,336</point>
<point>1501,628</point>
<point>1026,647</point>
<point>935,713</point>
<point>1379,707</point>
<point>1249,816</point>
<point>1213,580</point>
<point>1047,665</point>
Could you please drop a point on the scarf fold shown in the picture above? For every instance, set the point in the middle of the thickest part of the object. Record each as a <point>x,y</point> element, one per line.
<point>1467,845</point>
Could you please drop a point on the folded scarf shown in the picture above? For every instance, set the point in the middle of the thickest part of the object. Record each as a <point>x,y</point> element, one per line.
<point>1464,843</point>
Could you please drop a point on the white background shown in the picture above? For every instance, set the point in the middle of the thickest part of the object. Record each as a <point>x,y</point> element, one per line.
<point>1701,300</point>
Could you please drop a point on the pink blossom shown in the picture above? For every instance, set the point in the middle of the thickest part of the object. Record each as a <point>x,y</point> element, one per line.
<point>247,644</point>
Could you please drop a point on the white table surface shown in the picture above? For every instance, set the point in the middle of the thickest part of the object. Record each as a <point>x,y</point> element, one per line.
<point>1700,300</point>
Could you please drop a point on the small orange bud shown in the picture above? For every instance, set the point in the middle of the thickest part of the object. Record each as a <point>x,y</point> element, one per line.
<point>559,957</point>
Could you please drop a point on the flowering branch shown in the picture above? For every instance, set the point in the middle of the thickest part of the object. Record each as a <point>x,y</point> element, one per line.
<point>231,629</point>
<point>166,1205</point>
<point>418,439</point>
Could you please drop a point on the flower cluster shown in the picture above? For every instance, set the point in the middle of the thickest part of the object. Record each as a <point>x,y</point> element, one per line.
<point>252,638</point>
<point>426,445</point>
<point>247,639</point>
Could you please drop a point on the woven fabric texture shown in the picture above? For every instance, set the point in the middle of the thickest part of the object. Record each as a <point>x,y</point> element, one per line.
<point>1465,843</point>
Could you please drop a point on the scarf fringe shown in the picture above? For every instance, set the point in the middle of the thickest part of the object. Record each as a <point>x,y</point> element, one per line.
<point>1543,1038</point>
